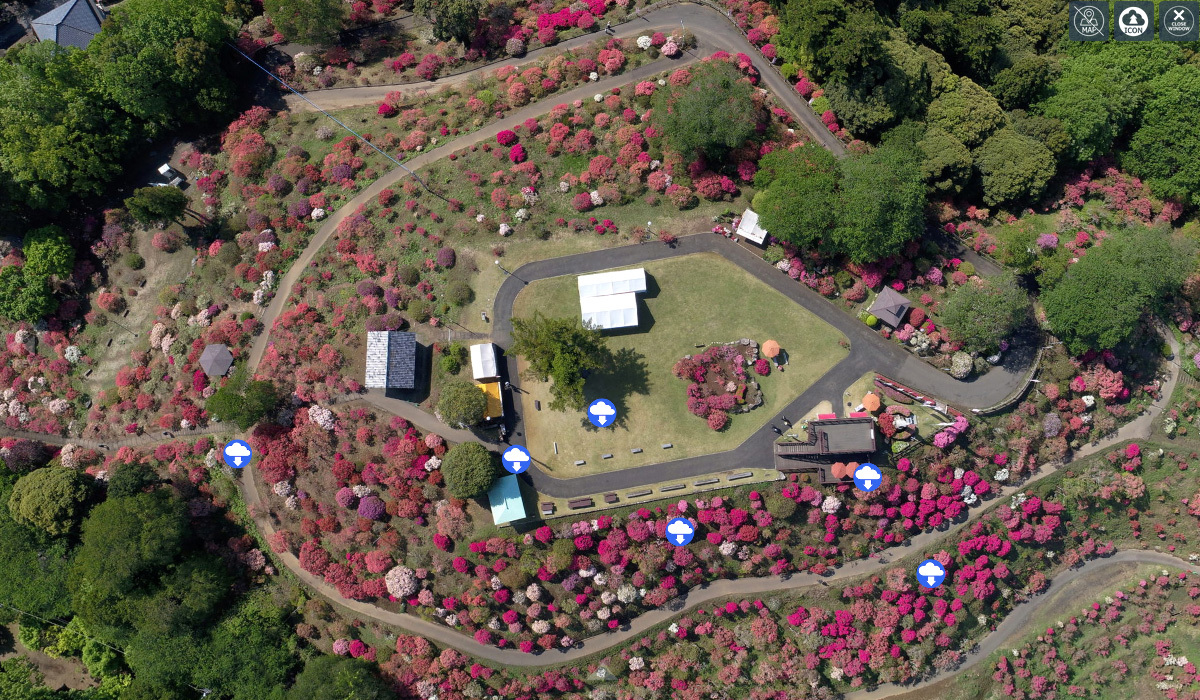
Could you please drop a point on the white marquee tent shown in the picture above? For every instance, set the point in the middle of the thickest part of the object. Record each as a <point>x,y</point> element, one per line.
<point>483,361</point>
<point>617,282</point>
<point>610,310</point>
<point>749,228</point>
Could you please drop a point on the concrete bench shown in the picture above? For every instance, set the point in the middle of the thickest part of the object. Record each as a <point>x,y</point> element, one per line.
<point>740,475</point>
<point>706,482</point>
<point>667,445</point>
<point>580,462</point>
<point>636,450</point>
<point>639,494</point>
<point>606,456</point>
<point>673,487</point>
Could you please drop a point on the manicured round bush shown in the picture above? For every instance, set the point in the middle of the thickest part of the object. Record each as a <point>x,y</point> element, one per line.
<point>408,275</point>
<point>450,364</point>
<point>445,257</point>
<point>871,321</point>
<point>419,310</point>
<point>459,293</point>
<point>345,497</point>
<point>112,303</point>
<point>762,367</point>
<point>514,47</point>
<point>506,137</point>
<point>717,419</point>
<point>135,261</point>
<point>386,322</point>
<point>49,499</point>
<point>371,508</point>
<point>367,288</point>
<point>461,404</point>
<point>469,469</point>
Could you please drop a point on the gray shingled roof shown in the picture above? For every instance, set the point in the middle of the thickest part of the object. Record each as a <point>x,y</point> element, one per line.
<point>391,360</point>
<point>890,307</point>
<point>74,23</point>
<point>216,360</point>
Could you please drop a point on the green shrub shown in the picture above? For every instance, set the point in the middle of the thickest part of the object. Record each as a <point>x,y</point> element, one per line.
<point>967,269</point>
<point>135,261</point>
<point>821,105</point>
<point>773,254</point>
<point>487,97</point>
<point>408,275</point>
<point>843,278</point>
<point>419,309</point>
<point>789,70</point>
<point>459,293</point>
<point>871,321</point>
<point>450,364</point>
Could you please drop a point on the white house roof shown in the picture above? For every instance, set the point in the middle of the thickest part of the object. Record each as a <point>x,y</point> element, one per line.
<point>749,228</point>
<point>483,361</point>
<point>611,310</point>
<point>616,282</point>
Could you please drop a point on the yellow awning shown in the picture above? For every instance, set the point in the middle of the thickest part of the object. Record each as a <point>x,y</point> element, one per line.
<point>495,407</point>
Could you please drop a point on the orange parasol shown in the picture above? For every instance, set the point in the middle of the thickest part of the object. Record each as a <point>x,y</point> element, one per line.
<point>770,348</point>
<point>871,402</point>
<point>839,470</point>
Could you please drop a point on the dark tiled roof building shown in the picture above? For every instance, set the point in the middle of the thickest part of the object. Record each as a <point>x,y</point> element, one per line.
<point>890,307</point>
<point>829,441</point>
<point>74,23</point>
<point>391,360</point>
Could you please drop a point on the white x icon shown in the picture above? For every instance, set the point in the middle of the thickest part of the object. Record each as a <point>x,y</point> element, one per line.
<point>1178,13</point>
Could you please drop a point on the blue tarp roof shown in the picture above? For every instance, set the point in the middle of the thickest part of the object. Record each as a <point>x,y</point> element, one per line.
<point>505,497</point>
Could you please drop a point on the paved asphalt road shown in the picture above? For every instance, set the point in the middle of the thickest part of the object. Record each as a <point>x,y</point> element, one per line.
<point>868,352</point>
<point>713,32</point>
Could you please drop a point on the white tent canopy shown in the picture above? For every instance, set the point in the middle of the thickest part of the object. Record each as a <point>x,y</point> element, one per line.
<point>749,228</point>
<point>483,361</point>
<point>616,282</point>
<point>611,310</point>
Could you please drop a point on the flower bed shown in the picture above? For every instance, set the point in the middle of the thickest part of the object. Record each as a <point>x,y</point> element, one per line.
<point>718,381</point>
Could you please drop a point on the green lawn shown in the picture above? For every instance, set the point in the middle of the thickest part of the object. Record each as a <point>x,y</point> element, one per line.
<point>691,300</point>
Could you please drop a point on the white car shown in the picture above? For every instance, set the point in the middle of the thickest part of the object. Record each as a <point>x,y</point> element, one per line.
<point>173,176</point>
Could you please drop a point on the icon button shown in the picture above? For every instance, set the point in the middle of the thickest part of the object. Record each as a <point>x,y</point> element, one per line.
<point>1134,19</point>
<point>1089,21</point>
<point>516,459</point>
<point>1177,20</point>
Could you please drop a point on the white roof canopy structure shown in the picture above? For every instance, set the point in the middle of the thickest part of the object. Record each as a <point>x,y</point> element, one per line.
<point>611,310</point>
<point>616,282</point>
<point>749,228</point>
<point>483,361</point>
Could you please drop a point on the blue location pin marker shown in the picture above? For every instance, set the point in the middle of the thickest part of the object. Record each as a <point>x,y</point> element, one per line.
<point>867,477</point>
<point>516,459</point>
<point>680,532</point>
<point>602,413</point>
<point>237,453</point>
<point>931,573</point>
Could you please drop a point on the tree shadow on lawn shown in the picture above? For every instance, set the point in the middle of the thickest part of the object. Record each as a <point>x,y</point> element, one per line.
<point>625,375</point>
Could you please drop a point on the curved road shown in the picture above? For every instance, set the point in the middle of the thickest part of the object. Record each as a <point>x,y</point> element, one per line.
<point>871,352</point>
<point>713,30</point>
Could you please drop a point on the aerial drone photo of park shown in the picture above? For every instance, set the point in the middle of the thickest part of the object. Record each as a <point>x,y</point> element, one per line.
<point>607,349</point>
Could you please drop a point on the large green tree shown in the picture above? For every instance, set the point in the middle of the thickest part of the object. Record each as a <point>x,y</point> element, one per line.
<point>469,470</point>
<point>1164,149</point>
<point>126,543</point>
<point>59,135</point>
<point>160,60</point>
<point>452,19</point>
<point>150,205</point>
<point>307,21</point>
<point>799,194</point>
<point>947,163</point>
<point>1100,300</point>
<point>837,41</point>
<point>50,499</point>
<point>243,401</point>
<point>1013,167</point>
<point>881,205</point>
<point>981,314</point>
<point>461,404</point>
<point>338,678</point>
<point>1022,83</point>
<point>48,253</point>
<point>250,653</point>
<point>967,112</point>
<point>41,588</point>
<point>560,350</point>
<point>24,298</point>
<point>711,115</point>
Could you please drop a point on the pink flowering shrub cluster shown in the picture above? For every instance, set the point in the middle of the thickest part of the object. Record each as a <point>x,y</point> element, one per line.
<point>718,382</point>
